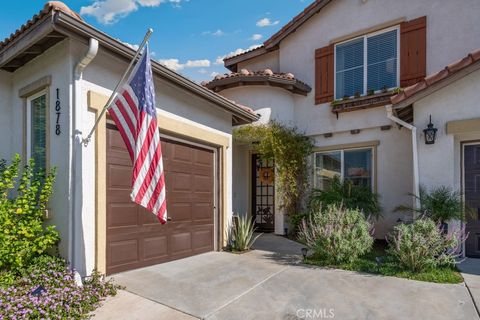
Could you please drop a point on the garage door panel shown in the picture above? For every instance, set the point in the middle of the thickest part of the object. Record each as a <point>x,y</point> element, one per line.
<point>182,154</point>
<point>180,182</point>
<point>135,238</point>
<point>203,211</point>
<point>203,158</point>
<point>119,176</point>
<point>123,252</point>
<point>179,212</point>
<point>202,239</point>
<point>122,214</point>
<point>181,243</point>
<point>155,247</point>
<point>202,184</point>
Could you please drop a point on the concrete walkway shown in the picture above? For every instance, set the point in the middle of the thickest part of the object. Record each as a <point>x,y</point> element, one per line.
<point>470,269</point>
<point>265,284</point>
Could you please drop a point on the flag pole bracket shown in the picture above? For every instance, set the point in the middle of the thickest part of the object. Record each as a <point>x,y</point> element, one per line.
<point>86,140</point>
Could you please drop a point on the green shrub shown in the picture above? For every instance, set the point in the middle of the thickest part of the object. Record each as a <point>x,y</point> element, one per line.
<point>22,233</point>
<point>348,195</point>
<point>241,234</point>
<point>422,245</point>
<point>440,204</point>
<point>337,234</point>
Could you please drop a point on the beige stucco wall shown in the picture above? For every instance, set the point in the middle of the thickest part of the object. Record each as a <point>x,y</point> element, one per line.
<point>55,63</point>
<point>6,109</point>
<point>440,163</point>
<point>270,60</point>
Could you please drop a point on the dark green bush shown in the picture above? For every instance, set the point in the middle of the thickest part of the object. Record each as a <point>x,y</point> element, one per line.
<point>348,195</point>
<point>22,233</point>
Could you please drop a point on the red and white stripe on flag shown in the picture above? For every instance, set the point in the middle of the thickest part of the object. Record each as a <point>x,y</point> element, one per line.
<point>134,113</point>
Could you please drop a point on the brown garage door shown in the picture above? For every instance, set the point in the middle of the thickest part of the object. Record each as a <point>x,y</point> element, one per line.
<point>134,236</point>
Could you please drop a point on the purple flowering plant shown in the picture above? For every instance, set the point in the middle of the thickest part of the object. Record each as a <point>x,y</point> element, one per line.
<point>61,298</point>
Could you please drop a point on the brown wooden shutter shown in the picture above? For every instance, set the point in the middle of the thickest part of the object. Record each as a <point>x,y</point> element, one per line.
<point>324,74</point>
<point>413,51</point>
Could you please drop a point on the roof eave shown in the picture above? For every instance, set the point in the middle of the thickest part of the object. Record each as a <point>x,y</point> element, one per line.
<point>292,85</point>
<point>62,20</point>
<point>437,86</point>
<point>231,63</point>
<point>273,42</point>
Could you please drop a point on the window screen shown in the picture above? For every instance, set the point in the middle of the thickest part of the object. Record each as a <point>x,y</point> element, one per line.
<point>349,68</point>
<point>382,61</point>
<point>38,132</point>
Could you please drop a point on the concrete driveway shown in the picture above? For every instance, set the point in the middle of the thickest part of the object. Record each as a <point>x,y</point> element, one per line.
<point>272,285</point>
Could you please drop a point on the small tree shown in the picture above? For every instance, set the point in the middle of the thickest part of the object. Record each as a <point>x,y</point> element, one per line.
<point>22,233</point>
<point>290,150</point>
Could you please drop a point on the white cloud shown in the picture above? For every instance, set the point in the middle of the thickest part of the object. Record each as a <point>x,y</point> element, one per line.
<point>110,11</point>
<point>175,64</point>
<point>197,63</point>
<point>203,71</point>
<point>214,74</point>
<point>219,60</point>
<point>266,22</point>
<point>132,46</point>
<point>217,33</point>
<point>256,37</point>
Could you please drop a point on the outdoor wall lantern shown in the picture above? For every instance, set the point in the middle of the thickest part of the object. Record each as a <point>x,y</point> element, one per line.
<point>430,133</point>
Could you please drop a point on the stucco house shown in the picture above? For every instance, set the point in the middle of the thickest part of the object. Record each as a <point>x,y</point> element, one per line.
<point>56,75</point>
<point>363,79</point>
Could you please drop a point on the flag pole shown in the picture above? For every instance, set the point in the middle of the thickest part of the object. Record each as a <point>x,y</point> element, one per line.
<point>86,140</point>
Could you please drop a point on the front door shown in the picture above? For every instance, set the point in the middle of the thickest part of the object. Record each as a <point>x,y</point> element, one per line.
<point>263,194</point>
<point>472,198</point>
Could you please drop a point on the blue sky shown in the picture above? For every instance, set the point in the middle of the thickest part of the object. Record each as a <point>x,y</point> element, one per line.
<point>190,35</point>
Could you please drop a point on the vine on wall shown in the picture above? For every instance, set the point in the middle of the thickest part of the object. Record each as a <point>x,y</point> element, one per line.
<point>290,150</point>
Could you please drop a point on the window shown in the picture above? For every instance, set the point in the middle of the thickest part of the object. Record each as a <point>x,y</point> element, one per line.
<point>37,130</point>
<point>354,165</point>
<point>367,63</point>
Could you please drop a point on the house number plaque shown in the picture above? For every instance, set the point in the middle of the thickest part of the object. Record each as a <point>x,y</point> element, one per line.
<point>58,109</point>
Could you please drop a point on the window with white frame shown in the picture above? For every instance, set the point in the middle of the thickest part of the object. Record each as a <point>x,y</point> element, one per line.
<point>369,62</point>
<point>37,129</point>
<point>355,165</point>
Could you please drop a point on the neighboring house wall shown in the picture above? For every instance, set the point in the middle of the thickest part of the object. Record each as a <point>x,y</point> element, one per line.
<point>440,163</point>
<point>270,102</point>
<point>270,61</point>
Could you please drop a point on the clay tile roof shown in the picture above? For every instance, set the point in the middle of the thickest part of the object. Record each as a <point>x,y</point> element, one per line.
<point>47,8</point>
<point>262,77</point>
<point>437,77</point>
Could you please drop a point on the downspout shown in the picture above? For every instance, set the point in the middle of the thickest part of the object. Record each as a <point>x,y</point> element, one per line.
<point>77,138</point>
<point>416,183</point>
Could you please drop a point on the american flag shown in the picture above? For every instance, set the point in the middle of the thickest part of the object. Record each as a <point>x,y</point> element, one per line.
<point>134,113</point>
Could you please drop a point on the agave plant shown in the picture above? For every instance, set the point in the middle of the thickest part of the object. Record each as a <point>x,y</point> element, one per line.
<point>241,234</point>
